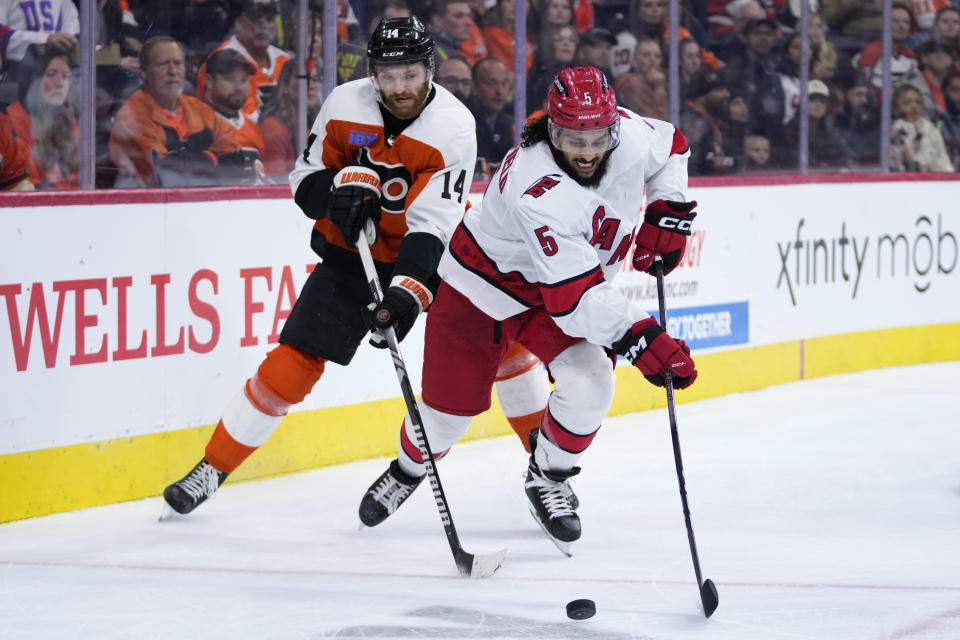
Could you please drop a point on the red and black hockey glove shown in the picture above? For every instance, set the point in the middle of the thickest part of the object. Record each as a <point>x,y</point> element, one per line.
<point>402,302</point>
<point>650,349</point>
<point>664,231</point>
<point>354,203</point>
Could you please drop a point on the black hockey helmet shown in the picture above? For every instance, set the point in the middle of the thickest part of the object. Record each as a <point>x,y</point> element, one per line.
<point>400,41</point>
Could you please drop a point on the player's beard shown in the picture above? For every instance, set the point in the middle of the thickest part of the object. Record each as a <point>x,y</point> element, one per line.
<point>594,178</point>
<point>412,109</point>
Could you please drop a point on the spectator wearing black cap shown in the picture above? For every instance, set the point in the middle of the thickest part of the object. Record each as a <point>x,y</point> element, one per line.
<point>702,120</point>
<point>255,29</point>
<point>936,61</point>
<point>228,86</point>
<point>751,74</point>
<point>857,121</point>
<point>595,49</point>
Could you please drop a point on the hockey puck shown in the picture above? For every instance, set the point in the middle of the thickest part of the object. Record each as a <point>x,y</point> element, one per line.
<point>581,609</point>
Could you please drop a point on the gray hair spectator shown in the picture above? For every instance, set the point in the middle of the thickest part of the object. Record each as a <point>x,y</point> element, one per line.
<point>160,136</point>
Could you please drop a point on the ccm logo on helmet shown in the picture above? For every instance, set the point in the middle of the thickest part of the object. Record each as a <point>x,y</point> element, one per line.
<point>679,224</point>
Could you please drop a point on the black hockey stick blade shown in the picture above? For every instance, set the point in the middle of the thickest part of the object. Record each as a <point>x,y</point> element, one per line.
<point>709,597</point>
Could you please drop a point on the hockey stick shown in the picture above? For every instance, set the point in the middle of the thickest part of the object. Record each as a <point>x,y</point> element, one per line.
<point>468,564</point>
<point>708,591</point>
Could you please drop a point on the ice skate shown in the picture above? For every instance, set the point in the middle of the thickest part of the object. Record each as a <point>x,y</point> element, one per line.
<point>386,494</point>
<point>188,493</point>
<point>550,505</point>
<point>567,483</point>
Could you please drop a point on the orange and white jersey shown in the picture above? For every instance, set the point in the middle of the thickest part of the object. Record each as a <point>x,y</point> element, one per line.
<point>425,172</point>
<point>246,130</point>
<point>262,84</point>
<point>540,240</point>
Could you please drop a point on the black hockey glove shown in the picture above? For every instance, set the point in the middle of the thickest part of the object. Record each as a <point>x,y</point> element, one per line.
<point>354,203</point>
<point>402,303</point>
<point>184,168</point>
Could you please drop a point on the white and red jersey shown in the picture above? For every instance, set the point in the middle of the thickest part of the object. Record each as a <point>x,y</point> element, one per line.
<point>541,240</point>
<point>425,172</point>
<point>31,21</point>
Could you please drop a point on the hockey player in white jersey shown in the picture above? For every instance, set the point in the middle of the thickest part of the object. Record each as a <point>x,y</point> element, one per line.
<point>533,265</point>
<point>53,22</point>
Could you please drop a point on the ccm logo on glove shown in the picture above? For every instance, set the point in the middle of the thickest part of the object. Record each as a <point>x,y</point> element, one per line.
<point>648,347</point>
<point>664,231</point>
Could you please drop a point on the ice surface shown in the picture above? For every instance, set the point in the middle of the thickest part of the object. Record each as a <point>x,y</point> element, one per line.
<point>823,509</point>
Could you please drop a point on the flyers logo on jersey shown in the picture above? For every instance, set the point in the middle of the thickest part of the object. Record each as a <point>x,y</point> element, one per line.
<point>362,138</point>
<point>396,180</point>
<point>542,185</point>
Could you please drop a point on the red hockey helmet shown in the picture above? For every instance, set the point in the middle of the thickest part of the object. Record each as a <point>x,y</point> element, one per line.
<point>581,99</point>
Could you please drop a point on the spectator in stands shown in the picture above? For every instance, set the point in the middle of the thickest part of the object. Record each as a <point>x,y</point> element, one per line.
<point>851,23</point>
<point>946,28</point>
<point>492,90</point>
<point>902,59</point>
<point>595,49</point>
<point>788,69</point>
<point>162,137</point>
<point>278,121</point>
<point>751,75</point>
<point>826,147</point>
<point>727,37</point>
<point>46,120</point>
<point>950,120</point>
<point>228,86</point>
<point>500,35</point>
<point>925,12</point>
<point>14,157</point>
<point>255,29</point>
<point>649,21</point>
<point>756,150</point>
<point>735,128</point>
<point>455,76</point>
<point>55,23</point>
<point>701,120</point>
<point>546,64</point>
<point>936,61</point>
<point>552,15</point>
<point>915,143</point>
<point>858,119</point>
<point>452,24</point>
<point>643,89</point>
<point>690,65</point>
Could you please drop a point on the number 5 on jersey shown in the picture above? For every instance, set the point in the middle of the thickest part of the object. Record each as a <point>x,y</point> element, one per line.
<point>547,242</point>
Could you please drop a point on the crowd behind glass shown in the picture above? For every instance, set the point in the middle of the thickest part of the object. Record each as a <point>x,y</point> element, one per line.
<point>206,92</point>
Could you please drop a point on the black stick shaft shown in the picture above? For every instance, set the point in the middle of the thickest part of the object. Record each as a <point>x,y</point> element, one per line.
<point>709,602</point>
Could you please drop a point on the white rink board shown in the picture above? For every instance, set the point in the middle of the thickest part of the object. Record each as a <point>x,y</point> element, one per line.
<point>729,281</point>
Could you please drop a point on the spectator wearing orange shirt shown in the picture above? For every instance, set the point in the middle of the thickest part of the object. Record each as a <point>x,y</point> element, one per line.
<point>255,29</point>
<point>500,35</point>
<point>46,120</point>
<point>14,157</point>
<point>161,137</point>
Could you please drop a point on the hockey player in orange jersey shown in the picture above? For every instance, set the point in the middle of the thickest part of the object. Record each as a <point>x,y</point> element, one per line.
<point>418,141</point>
